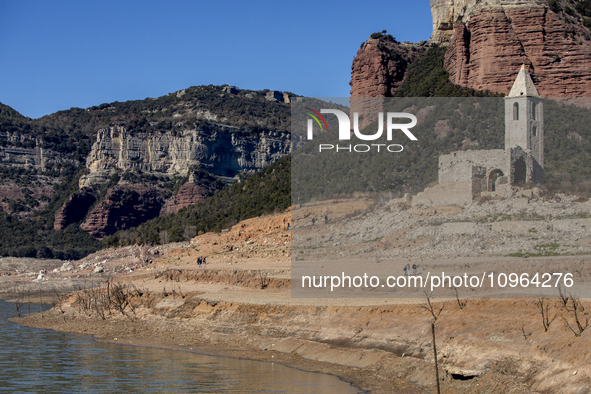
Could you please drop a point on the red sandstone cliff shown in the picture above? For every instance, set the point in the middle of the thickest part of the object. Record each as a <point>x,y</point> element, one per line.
<point>486,51</point>
<point>380,66</point>
<point>124,206</point>
<point>487,43</point>
<point>74,209</point>
<point>188,194</point>
<point>378,70</point>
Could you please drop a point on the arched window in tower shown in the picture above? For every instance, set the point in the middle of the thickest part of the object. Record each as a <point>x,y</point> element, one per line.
<point>515,111</point>
<point>534,130</point>
<point>534,110</point>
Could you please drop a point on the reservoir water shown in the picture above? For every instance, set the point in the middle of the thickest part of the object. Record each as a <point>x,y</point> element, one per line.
<point>44,361</point>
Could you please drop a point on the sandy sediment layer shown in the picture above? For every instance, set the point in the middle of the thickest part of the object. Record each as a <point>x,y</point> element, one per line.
<point>239,304</point>
<point>497,345</point>
<point>193,324</point>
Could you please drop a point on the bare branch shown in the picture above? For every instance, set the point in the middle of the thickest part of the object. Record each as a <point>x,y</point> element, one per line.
<point>525,334</point>
<point>264,280</point>
<point>461,304</point>
<point>431,308</point>
<point>544,308</point>
<point>581,318</point>
<point>563,296</point>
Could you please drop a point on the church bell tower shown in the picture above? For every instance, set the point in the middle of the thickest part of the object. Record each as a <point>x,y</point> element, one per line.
<point>524,124</point>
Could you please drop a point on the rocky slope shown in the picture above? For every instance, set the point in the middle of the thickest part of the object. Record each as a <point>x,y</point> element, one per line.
<point>74,209</point>
<point>240,304</point>
<point>146,147</point>
<point>380,65</point>
<point>402,228</point>
<point>188,194</point>
<point>124,206</point>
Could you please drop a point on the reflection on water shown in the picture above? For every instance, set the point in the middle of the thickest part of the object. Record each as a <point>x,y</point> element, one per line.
<point>43,361</point>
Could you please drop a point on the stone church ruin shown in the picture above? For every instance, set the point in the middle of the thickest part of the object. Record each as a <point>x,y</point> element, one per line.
<point>466,175</point>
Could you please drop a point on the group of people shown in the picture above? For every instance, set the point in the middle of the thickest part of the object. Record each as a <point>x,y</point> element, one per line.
<point>325,220</point>
<point>200,261</point>
<point>407,269</point>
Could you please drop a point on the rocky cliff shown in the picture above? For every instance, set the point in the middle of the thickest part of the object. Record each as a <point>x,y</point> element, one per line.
<point>124,206</point>
<point>380,65</point>
<point>490,42</point>
<point>378,70</point>
<point>114,166</point>
<point>487,43</point>
<point>222,150</point>
<point>200,185</point>
<point>188,194</point>
<point>74,209</point>
<point>24,151</point>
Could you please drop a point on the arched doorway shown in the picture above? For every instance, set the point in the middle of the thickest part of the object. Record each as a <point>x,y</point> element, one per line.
<point>519,171</point>
<point>492,179</point>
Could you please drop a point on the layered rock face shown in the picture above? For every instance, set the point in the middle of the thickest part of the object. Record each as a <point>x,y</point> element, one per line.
<point>377,71</point>
<point>124,206</point>
<point>19,150</point>
<point>188,194</point>
<point>379,67</point>
<point>74,209</point>
<point>490,41</point>
<point>222,150</point>
<point>140,151</point>
<point>26,187</point>
<point>445,13</point>
<point>487,43</point>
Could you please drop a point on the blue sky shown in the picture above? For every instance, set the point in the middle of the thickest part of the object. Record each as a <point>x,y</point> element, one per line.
<point>61,54</point>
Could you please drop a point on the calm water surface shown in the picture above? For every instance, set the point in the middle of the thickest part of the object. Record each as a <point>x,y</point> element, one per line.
<point>44,361</point>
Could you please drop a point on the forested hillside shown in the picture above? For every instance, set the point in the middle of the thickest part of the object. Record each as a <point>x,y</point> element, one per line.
<point>267,191</point>
<point>44,161</point>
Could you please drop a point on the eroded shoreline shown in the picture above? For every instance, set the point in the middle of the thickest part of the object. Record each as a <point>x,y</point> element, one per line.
<point>240,305</point>
<point>377,348</point>
<point>180,335</point>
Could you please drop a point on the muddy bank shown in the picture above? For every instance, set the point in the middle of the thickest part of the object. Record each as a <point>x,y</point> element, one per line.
<point>168,329</point>
<point>240,305</point>
<point>382,349</point>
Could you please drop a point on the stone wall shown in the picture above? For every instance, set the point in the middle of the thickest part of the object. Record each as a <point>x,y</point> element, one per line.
<point>459,166</point>
<point>534,172</point>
